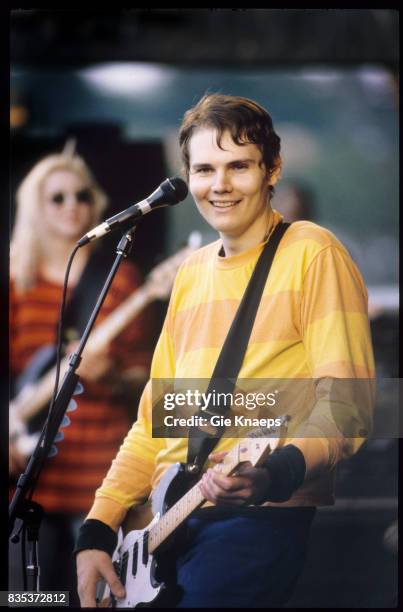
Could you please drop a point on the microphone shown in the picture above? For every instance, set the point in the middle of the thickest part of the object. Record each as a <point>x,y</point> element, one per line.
<point>170,192</point>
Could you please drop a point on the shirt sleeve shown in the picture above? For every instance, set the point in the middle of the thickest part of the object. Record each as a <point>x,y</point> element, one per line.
<point>337,341</point>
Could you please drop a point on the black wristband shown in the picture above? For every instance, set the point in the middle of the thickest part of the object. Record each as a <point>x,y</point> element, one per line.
<point>286,468</point>
<point>96,534</point>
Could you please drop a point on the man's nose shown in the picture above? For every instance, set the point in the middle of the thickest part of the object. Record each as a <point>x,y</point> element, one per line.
<point>221,182</point>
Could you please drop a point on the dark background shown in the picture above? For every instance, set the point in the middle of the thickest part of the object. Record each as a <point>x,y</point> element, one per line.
<point>217,36</point>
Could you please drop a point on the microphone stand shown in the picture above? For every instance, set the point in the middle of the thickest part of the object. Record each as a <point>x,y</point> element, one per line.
<point>25,509</point>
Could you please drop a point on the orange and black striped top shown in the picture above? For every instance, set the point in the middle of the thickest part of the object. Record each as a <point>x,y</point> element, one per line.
<point>98,426</point>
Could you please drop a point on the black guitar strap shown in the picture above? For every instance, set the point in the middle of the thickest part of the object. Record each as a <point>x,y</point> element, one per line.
<point>230,360</point>
<point>85,293</point>
<point>77,312</point>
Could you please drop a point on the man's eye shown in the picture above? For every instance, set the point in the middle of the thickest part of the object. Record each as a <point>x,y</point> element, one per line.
<point>203,170</point>
<point>240,166</point>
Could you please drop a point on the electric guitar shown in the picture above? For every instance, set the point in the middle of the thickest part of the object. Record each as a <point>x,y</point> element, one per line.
<point>150,526</point>
<point>35,396</point>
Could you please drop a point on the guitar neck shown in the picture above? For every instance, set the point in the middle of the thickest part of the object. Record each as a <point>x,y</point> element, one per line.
<point>174,517</point>
<point>111,327</point>
<point>31,403</point>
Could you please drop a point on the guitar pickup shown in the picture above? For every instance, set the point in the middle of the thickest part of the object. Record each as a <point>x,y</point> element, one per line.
<point>135,558</point>
<point>123,568</point>
<point>145,548</point>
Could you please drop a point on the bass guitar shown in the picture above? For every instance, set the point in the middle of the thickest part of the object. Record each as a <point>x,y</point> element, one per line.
<point>35,395</point>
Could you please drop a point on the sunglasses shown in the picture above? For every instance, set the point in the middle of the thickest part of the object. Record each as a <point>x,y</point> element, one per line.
<point>84,196</point>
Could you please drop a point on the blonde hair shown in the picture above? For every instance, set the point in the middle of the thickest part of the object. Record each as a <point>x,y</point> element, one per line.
<point>26,237</point>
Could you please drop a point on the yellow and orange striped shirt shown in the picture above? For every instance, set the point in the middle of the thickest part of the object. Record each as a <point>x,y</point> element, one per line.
<point>311,323</point>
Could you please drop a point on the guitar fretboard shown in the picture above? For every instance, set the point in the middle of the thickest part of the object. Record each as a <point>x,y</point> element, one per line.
<point>102,335</point>
<point>174,517</point>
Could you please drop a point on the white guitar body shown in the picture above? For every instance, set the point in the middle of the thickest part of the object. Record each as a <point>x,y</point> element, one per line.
<point>140,584</point>
<point>134,563</point>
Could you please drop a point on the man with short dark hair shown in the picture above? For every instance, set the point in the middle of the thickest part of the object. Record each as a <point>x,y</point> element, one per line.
<point>246,546</point>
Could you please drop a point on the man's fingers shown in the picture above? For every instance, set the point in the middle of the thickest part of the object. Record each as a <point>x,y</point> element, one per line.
<point>113,581</point>
<point>228,483</point>
<point>217,495</point>
<point>214,484</point>
<point>92,566</point>
<point>217,457</point>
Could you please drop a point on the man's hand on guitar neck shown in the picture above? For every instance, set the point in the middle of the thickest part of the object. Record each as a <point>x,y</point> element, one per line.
<point>92,566</point>
<point>248,486</point>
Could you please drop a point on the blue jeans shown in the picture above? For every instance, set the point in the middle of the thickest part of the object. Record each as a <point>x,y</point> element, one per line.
<point>247,558</point>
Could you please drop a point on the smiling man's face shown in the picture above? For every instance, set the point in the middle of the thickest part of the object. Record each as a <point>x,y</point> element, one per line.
<point>230,186</point>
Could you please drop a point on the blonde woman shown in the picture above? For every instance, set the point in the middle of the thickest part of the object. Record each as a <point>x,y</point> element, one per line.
<point>57,202</point>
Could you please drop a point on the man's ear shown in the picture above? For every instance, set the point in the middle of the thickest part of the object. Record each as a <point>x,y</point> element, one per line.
<point>276,172</point>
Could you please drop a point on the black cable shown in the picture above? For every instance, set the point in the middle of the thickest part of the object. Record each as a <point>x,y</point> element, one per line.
<point>23,557</point>
<point>58,360</point>
<point>60,327</point>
